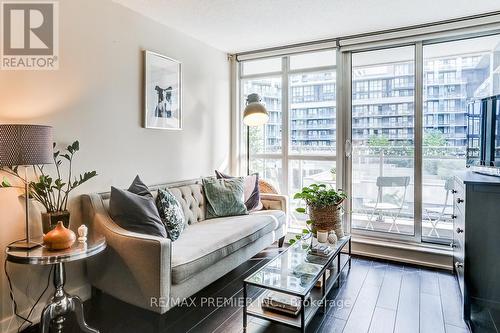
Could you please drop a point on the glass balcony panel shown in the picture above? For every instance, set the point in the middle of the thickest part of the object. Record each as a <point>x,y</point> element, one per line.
<point>304,173</point>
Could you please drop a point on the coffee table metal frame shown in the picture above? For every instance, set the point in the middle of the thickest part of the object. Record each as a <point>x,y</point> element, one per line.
<point>306,313</point>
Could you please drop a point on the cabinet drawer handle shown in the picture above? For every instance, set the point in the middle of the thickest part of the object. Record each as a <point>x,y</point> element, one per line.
<point>459,231</point>
<point>454,191</point>
<point>460,200</point>
<point>459,265</point>
<point>453,217</point>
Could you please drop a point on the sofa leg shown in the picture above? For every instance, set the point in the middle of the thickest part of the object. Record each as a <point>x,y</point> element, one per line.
<point>281,241</point>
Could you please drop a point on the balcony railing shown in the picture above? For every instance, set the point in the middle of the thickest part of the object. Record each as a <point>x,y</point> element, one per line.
<point>314,137</point>
<point>314,126</point>
<point>313,116</point>
<point>369,163</point>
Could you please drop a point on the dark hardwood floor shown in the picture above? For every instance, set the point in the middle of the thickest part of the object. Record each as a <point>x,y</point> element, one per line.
<point>374,296</point>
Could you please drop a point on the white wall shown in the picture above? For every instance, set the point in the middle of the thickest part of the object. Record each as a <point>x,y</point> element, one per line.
<point>96,97</point>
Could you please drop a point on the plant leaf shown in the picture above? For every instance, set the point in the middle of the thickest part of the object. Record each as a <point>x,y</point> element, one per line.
<point>5,182</point>
<point>300,210</point>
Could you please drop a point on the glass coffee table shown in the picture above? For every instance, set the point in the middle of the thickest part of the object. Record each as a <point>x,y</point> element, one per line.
<point>297,273</point>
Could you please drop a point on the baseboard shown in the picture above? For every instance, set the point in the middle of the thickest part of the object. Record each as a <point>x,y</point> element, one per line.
<point>414,256</point>
<point>10,324</point>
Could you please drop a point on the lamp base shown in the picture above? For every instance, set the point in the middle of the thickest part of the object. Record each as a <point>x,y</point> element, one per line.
<point>23,245</point>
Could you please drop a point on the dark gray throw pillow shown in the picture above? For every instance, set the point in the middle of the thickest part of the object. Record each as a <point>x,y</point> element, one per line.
<point>224,197</point>
<point>251,191</point>
<point>135,210</point>
<point>171,213</point>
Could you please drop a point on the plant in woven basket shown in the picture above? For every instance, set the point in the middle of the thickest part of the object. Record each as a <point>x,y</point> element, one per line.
<point>324,205</point>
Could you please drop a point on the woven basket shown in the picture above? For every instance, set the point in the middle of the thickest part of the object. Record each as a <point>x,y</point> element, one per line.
<point>326,218</point>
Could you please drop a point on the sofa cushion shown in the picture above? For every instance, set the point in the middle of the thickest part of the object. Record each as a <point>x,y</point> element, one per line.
<point>251,190</point>
<point>205,243</point>
<point>224,197</point>
<point>171,213</point>
<point>135,210</point>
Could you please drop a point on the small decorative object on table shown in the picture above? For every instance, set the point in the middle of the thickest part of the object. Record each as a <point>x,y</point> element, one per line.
<point>82,233</point>
<point>53,193</point>
<point>322,236</point>
<point>59,238</point>
<point>332,238</point>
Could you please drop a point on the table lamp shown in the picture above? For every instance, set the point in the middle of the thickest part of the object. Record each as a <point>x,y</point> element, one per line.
<point>255,114</point>
<point>25,145</point>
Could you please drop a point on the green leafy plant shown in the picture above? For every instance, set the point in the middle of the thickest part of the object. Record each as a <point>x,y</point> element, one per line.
<point>316,196</point>
<point>305,232</point>
<point>319,196</point>
<point>53,192</point>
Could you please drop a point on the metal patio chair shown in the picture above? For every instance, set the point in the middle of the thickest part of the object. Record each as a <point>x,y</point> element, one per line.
<point>382,206</point>
<point>440,213</point>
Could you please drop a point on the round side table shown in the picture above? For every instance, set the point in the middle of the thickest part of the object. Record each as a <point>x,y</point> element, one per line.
<point>61,302</point>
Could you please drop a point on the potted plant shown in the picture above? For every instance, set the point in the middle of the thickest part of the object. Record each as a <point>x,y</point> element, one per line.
<point>53,193</point>
<point>324,206</point>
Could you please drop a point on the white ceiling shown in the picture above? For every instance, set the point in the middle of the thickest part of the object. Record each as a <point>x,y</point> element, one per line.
<point>242,25</point>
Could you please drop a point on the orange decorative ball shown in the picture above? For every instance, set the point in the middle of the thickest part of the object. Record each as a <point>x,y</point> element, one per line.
<point>59,238</point>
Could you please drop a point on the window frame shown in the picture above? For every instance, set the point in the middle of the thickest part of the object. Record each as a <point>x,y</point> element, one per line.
<point>344,49</point>
<point>288,96</point>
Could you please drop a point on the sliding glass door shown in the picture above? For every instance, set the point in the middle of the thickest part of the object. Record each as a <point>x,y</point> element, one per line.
<point>408,127</point>
<point>454,73</point>
<point>383,113</point>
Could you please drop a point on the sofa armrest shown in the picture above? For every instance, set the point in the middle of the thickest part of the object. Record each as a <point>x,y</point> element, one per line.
<point>134,267</point>
<point>274,201</point>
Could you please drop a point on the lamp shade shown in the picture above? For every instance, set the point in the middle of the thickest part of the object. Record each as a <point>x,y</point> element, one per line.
<point>255,113</point>
<point>25,145</point>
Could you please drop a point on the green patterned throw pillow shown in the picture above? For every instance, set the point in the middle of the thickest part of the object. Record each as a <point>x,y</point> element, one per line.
<point>171,213</point>
<point>224,196</point>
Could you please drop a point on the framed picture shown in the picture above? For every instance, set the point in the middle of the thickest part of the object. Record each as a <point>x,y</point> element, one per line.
<point>162,92</point>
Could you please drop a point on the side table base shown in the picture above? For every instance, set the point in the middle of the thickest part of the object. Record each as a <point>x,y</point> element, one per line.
<point>61,304</point>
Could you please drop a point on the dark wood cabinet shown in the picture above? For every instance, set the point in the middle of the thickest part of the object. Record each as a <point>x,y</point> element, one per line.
<point>476,244</point>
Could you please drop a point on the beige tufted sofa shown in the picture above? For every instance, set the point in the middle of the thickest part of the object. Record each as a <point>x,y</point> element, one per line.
<point>155,273</point>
